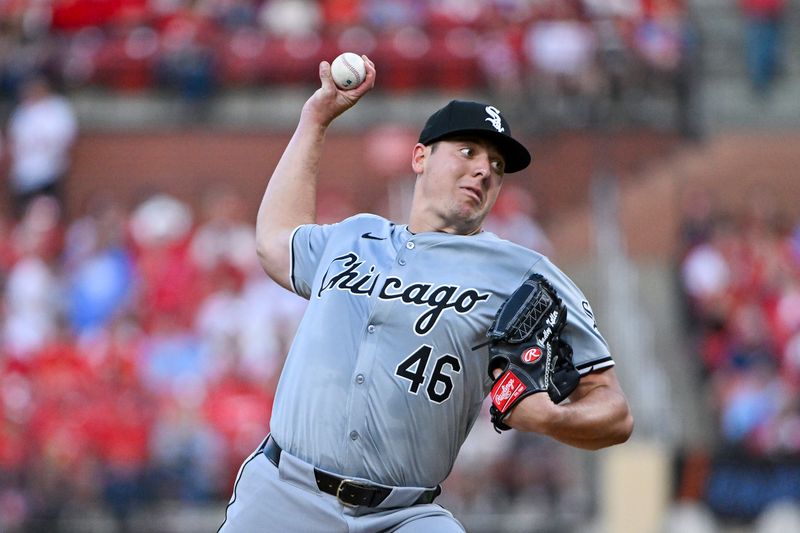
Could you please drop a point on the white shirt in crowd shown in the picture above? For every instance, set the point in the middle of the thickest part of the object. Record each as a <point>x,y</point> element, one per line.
<point>40,135</point>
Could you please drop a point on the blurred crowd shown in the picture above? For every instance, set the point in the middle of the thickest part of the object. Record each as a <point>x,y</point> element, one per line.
<point>741,275</point>
<point>568,47</point>
<point>139,352</point>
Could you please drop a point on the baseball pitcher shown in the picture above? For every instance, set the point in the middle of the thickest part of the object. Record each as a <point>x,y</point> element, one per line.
<point>408,328</point>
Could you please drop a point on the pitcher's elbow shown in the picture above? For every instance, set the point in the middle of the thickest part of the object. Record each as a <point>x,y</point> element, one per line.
<point>274,257</point>
<point>620,432</point>
<point>263,253</point>
<point>625,429</point>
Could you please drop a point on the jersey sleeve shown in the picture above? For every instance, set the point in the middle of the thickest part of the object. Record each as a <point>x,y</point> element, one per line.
<point>310,243</point>
<point>307,245</point>
<point>590,349</point>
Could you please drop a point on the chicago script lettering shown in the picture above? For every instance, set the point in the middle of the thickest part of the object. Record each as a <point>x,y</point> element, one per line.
<point>350,278</point>
<point>343,274</point>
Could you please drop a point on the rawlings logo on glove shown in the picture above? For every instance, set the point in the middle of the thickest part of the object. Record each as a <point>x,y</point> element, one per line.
<point>524,344</point>
<point>507,390</point>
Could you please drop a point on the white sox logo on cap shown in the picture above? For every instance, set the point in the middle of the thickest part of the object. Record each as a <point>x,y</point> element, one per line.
<point>494,118</point>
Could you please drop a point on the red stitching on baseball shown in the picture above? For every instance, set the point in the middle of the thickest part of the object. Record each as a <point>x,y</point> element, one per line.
<point>353,70</point>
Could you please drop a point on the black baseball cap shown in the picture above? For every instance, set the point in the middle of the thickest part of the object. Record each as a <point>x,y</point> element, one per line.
<point>460,117</point>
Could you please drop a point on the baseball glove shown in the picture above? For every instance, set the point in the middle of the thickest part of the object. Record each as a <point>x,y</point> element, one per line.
<point>524,342</point>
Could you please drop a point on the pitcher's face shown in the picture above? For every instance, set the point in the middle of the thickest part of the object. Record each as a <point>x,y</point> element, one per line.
<point>458,182</point>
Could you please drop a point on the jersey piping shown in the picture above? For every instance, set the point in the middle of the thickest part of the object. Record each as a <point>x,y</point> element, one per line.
<point>292,260</point>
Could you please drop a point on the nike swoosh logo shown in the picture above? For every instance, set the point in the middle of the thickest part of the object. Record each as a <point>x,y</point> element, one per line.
<point>369,235</point>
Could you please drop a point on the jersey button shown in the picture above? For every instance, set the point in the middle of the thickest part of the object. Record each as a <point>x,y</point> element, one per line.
<point>360,379</point>
<point>402,262</point>
<point>410,245</point>
<point>354,435</point>
<point>371,328</point>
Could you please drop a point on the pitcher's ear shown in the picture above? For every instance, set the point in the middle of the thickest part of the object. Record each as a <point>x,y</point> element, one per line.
<point>418,157</point>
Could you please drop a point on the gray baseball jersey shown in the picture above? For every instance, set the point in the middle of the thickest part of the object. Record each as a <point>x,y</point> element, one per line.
<point>382,381</point>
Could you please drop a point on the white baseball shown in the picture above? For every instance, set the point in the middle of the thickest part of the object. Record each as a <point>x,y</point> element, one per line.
<point>348,70</point>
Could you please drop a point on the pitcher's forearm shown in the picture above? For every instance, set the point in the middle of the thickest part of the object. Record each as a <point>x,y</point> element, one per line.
<point>596,416</point>
<point>602,420</point>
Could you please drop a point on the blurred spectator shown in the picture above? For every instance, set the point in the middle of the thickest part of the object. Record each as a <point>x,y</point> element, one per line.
<point>499,57</point>
<point>665,40</point>
<point>26,47</point>
<point>562,50</point>
<point>161,230</point>
<point>706,272</point>
<point>659,35</point>
<point>751,343</point>
<point>763,25</point>
<point>224,235</point>
<point>101,275</point>
<point>187,455</point>
<point>41,133</point>
<point>512,218</point>
<point>174,362</point>
<point>749,403</point>
<point>233,14</point>
<point>221,313</point>
<point>187,61</point>
<point>238,408</point>
<point>613,25</point>
<point>32,293</point>
<point>709,276</point>
<point>394,14</point>
<point>339,14</point>
<point>561,45</point>
<point>268,327</point>
<point>291,17</point>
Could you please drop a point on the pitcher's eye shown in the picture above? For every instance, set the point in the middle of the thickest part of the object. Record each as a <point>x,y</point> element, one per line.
<point>498,166</point>
<point>468,151</point>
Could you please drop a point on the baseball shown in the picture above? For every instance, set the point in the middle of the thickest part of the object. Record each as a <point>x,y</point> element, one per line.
<point>348,70</point>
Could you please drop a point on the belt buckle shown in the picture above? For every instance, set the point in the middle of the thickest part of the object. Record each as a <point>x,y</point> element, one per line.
<point>348,482</point>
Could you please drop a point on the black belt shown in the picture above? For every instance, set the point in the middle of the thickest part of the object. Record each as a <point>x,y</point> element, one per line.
<point>349,492</point>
